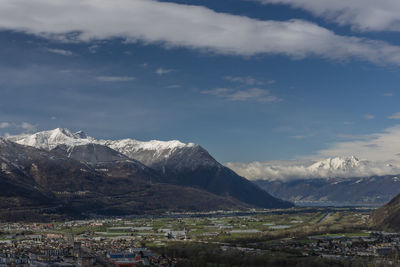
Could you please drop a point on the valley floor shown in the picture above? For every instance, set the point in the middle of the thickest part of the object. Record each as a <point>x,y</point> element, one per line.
<point>295,237</point>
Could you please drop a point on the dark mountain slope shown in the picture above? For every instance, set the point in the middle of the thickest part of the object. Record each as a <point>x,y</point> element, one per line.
<point>387,217</point>
<point>193,166</point>
<point>108,162</point>
<point>176,163</point>
<point>31,177</point>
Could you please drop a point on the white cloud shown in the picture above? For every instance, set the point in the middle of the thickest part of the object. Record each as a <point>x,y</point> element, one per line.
<point>195,27</point>
<point>4,125</point>
<point>364,15</point>
<point>395,116</point>
<point>115,78</point>
<point>93,48</point>
<point>252,94</point>
<point>244,80</point>
<point>369,116</point>
<point>348,167</point>
<point>388,94</point>
<point>380,154</point>
<point>383,146</point>
<point>161,71</point>
<point>27,126</point>
<point>60,51</point>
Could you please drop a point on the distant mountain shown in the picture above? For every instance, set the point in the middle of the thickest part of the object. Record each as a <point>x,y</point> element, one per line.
<point>338,167</point>
<point>51,139</point>
<point>374,190</point>
<point>340,180</point>
<point>172,162</point>
<point>387,217</point>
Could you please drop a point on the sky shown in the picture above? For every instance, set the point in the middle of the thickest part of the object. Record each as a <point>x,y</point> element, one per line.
<point>249,80</point>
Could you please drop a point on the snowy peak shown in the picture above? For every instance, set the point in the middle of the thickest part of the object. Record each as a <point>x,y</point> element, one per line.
<point>60,136</point>
<point>159,155</point>
<point>50,139</point>
<point>338,167</point>
<point>153,152</point>
<point>337,164</point>
<point>132,145</point>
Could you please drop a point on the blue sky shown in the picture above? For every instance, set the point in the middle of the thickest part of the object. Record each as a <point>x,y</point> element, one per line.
<point>248,80</point>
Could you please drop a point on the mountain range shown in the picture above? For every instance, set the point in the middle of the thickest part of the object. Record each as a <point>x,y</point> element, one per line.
<point>60,172</point>
<point>332,181</point>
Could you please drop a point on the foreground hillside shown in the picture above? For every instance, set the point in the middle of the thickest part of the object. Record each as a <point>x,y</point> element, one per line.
<point>387,217</point>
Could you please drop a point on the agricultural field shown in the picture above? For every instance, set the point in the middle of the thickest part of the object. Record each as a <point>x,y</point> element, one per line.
<point>309,236</point>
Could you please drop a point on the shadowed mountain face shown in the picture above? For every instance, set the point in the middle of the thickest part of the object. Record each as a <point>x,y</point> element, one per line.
<point>191,165</point>
<point>171,162</point>
<point>188,166</point>
<point>90,153</point>
<point>387,217</point>
<point>108,161</point>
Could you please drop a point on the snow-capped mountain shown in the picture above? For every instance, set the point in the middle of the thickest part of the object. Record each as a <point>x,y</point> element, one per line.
<point>50,139</point>
<point>338,167</point>
<point>337,164</point>
<point>34,181</point>
<point>131,146</point>
<point>159,154</point>
<point>175,162</point>
<point>156,154</point>
<point>344,180</point>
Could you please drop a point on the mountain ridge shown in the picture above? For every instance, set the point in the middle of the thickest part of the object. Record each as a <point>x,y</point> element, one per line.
<point>334,167</point>
<point>35,180</point>
<point>177,163</point>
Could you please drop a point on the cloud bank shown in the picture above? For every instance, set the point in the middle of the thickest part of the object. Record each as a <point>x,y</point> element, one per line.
<point>381,151</point>
<point>194,27</point>
<point>395,116</point>
<point>25,126</point>
<point>362,15</point>
<point>296,170</point>
<point>383,146</point>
